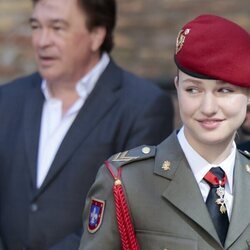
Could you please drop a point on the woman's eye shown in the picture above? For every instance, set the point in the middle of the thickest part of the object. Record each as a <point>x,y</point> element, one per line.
<point>225,90</point>
<point>192,90</point>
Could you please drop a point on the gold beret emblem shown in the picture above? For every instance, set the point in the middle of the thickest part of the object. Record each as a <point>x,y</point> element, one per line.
<point>181,39</point>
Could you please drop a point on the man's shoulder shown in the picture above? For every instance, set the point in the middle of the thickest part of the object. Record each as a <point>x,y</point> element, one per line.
<point>244,146</point>
<point>22,83</point>
<point>134,83</point>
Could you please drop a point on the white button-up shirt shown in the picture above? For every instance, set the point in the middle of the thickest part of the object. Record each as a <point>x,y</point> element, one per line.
<point>55,124</point>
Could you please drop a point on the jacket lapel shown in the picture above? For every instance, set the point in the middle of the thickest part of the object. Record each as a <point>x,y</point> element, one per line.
<point>182,191</point>
<point>100,101</point>
<point>241,206</point>
<point>32,120</point>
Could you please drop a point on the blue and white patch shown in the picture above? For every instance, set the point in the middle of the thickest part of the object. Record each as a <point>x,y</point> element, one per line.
<point>95,215</point>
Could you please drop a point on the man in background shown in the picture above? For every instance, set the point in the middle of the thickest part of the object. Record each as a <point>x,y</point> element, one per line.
<point>58,125</point>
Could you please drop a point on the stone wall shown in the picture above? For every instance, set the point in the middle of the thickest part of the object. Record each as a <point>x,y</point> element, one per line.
<point>145,34</point>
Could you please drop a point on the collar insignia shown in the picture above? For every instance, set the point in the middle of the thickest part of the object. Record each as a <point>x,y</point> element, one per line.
<point>166,165</point>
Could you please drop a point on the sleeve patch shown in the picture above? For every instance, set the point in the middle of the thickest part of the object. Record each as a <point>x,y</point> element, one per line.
<point>96,214</point>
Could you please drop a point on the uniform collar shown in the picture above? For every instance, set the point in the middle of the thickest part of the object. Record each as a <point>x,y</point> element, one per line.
<point>200,166</point>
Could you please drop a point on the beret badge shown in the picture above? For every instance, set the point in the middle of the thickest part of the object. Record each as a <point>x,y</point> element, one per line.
<point>181,39</point>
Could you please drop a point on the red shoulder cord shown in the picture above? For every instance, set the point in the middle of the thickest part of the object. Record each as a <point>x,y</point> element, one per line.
<point>124,221</point>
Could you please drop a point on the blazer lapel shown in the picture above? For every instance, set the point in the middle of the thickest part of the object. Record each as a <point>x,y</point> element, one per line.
<point>103,97</point>
<point>32,120</point>
<point>241,206</point>
<point>182,191</point>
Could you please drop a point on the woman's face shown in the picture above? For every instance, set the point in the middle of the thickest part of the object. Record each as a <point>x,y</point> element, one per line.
<point>211,110</point>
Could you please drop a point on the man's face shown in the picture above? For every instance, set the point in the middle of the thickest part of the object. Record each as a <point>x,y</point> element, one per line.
<point>64,48</point>
<point>211,110</point>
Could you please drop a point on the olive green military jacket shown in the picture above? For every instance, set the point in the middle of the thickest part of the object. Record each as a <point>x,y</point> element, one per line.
<point>165,202</point>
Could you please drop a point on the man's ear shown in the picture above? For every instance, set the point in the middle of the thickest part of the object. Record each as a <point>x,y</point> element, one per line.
<point>98,35</point>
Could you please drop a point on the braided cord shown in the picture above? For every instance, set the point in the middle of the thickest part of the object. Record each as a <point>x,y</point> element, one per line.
<point>124,221</point>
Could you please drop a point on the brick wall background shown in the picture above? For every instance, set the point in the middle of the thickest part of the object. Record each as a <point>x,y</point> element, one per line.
<point>145,34</point>
<point>147,30</point>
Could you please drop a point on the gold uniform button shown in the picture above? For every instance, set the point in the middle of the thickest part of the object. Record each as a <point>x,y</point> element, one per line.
<point>146,150</point>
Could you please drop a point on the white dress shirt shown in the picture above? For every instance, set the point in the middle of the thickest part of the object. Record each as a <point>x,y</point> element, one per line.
<point>55,124</point>
<point>200,167</point>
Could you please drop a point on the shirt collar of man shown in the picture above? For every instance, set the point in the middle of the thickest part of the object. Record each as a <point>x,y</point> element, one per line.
<point>85,85</point>
<point>200,166</point>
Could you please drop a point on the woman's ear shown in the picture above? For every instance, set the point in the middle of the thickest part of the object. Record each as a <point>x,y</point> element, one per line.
<point>176,82</point>
<point>248,96</point>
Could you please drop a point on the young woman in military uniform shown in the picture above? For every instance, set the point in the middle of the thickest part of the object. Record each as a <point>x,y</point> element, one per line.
<point>193,190</point>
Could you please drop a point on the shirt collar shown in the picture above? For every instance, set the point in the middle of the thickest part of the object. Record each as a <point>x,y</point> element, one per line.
<point>86,84</point>
<point>200,166</point>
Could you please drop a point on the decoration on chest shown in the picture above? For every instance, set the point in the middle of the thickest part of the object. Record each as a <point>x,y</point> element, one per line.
<point>221,200</point>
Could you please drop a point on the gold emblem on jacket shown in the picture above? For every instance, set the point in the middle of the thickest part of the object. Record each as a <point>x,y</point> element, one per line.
<point>166,165</point>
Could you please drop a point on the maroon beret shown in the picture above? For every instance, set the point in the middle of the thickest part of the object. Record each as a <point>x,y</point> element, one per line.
<point>212,47</point>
